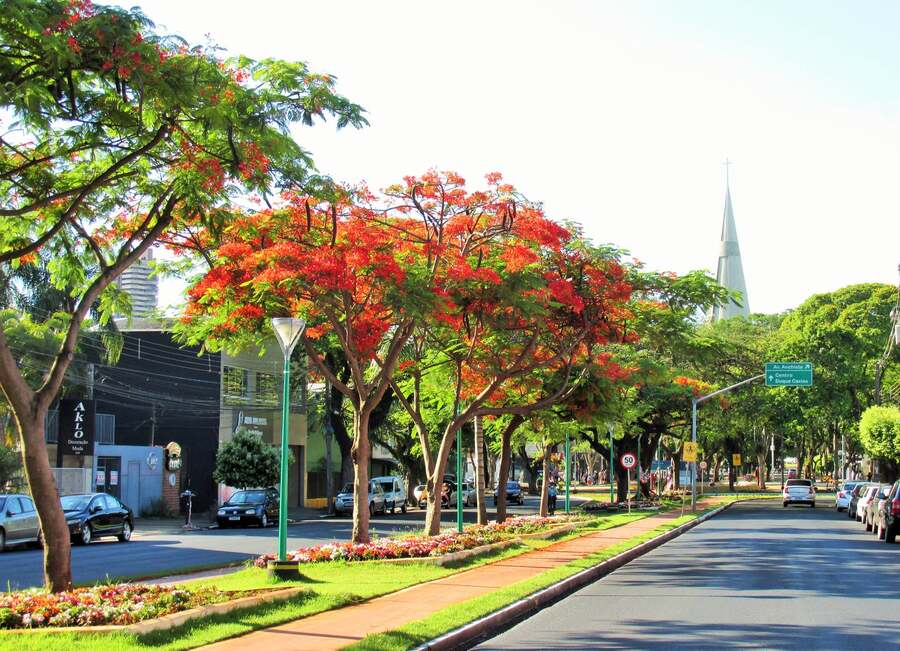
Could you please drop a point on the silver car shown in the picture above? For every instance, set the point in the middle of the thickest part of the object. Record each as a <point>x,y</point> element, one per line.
<point>394,492</point>
<point>18,521</point>
<point>868,492</point>
<point>343,503</point>
<point>842,499</point>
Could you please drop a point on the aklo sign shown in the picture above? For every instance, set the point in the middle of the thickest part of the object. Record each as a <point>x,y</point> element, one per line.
<point>76,427</point>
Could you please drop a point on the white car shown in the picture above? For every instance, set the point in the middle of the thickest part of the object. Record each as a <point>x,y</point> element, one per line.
<point>863,504</point>
<point>799,491</point>
<point>394,492</point>
<point>842,499</point>
<point>470,497</point>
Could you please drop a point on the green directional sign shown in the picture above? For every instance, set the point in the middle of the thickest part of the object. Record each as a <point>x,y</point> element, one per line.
<point>789,374</point>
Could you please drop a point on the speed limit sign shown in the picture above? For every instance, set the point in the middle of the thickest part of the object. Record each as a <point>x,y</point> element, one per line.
<point>629,461</point>
<point>703,465</point>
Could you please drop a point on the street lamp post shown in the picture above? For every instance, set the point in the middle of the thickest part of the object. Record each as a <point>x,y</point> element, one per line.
<point>459,481</point>
<point>610,427</point>
<point>288,331</point>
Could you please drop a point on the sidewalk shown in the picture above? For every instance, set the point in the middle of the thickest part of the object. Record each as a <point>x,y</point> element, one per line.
<point>335,629</point>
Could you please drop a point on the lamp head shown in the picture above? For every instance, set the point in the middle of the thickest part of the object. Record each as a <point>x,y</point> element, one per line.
<point>287,331</point>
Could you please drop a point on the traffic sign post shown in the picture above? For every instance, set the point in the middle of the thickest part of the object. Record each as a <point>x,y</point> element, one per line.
<point>789,374</point>
<point>629,461</point>
<point>703,467</point>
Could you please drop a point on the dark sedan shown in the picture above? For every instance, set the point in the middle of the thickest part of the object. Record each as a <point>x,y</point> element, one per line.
<point>513,493</point>
<point>256,506</point>
<point>95,515</point>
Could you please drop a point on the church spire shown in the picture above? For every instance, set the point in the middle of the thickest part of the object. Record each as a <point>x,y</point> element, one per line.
<point>730,271</point>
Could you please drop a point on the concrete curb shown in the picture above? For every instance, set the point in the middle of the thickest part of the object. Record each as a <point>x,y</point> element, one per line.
<point>495,622</point>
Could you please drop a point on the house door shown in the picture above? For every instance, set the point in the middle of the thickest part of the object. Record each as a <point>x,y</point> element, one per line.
<point>132,496</point>
<point>108,476</point>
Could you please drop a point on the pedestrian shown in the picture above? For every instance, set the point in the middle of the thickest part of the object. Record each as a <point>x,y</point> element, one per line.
<point>551,497</point>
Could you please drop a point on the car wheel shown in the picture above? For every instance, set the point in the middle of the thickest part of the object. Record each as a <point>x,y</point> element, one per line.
<point>868,526</point>
<point>2,540</point>
<point>125,536</point>
<point>393,507</point>
<point>86,534</point>
<point>371,509</point>
<point>813,505</point>
<point>403,508</point>
<point>784,504</point>
<point>890,535</point>
<point>264,520</point>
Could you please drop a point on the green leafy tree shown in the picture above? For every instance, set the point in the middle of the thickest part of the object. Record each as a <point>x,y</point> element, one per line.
<point>122,137</point>
<point>10,466</point>
<point>247,461</point>
<point>879,431</point>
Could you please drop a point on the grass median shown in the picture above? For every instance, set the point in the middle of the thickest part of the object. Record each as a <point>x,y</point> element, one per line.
<point>326,586</point>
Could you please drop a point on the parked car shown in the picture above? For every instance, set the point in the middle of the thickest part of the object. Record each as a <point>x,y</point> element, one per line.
<point>799,491</point>
<point>881,491</point>
<point>470,494</point>
<point>253,506</point>
<point>890,517</point>
<point>842,497</point>
<point>95,515</point>
<point>513,493</point>
<point>855,495</point>
<point>394,492</point>
<point>448,493</point>
<point>343,502</point>
<point>868,492</point>
<point>880,503</point>
<point>419,493</point>
<point>18,521</point>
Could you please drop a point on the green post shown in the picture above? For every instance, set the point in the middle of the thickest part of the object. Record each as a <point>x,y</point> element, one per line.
<point>283,483</point>
<point>639,468</point>
<point>611,467</point>
<point>568,471</point>
<point>459,482</point>
<point>288,331</point>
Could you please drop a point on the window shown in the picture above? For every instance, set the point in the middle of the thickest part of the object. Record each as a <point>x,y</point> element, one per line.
<point>266,389</point>
<point>14,508</point>
<point>27,505</point>
<point>234,384</point>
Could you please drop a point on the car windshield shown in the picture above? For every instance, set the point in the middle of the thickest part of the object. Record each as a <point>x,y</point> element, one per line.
<point>248,497</point>
<point>387,485</point>
<point>75,502</point>
<point>348,488</point>
<point>799,482</point>
<point>511,484</point>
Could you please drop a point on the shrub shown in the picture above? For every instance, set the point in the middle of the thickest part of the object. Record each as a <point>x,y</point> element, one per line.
<point>247,461</point>
<point>879,431</point>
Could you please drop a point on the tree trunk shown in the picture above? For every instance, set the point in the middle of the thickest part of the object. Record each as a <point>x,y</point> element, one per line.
<point>361,452</point>
<point>479,471</point>
<point>505,461</point>
<point>57,541</point>
<point>621,483</point>
<point>761,465</point>
<point>434,483</point>
<point>676,468</point>
<point>546,483</point>
<point>530,466</point>
<point>717,468</point>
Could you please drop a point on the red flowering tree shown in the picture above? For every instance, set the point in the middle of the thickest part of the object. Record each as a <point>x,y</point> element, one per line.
<point>123,135</point>
<point>531,300</point>
<point>363,270</point>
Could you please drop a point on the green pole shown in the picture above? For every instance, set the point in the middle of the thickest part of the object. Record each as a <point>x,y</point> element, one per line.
<point>639,468</point>
<point>568,472</point>
<point>459,482</point>
<point>283,484</point>
<point>611,497</point>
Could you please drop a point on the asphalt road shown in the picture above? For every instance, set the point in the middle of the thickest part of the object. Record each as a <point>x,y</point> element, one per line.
<point>757,576</point>
<point>150,553</point>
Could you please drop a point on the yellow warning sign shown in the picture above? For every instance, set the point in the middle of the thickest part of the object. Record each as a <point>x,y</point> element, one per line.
<point>735,459</point>
<point>690,452</point>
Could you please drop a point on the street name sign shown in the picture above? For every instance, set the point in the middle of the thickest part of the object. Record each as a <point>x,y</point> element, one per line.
<point>789,374</point>
<point>629,461</point>
<point>690,451</point>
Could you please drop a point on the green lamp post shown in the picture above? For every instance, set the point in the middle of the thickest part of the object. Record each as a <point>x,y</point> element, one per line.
<point>288,331</point>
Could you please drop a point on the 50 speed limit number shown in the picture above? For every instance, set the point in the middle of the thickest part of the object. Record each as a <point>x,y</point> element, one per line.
<point>628,461</point>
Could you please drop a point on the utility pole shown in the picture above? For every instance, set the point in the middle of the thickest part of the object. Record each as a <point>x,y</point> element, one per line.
<point>153,424</point>
<point>329,433</point>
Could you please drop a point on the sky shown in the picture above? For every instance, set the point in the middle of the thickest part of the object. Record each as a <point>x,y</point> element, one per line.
<point>619,115</point>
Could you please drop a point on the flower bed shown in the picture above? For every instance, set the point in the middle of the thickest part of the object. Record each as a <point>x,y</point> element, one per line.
<point>421,546</point>
<point>119,605</point>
